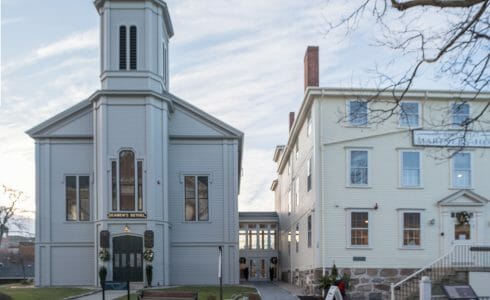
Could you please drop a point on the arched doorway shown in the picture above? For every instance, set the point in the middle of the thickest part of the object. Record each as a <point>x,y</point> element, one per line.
<point>127,263</point>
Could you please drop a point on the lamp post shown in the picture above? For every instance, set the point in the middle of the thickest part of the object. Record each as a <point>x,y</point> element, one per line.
<point>220,272</point>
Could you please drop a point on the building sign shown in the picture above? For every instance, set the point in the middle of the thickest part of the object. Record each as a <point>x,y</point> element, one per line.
<point>448,138</point>
<point>126,215</point>
<point>459,292</point>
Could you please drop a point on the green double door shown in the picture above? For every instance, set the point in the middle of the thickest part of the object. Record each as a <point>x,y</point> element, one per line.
<point>127,262</point>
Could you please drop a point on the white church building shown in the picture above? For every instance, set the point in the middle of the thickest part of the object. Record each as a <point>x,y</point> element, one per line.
<point>134,170</point>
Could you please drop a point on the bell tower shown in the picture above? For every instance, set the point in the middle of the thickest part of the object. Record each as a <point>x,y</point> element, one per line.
<point>134,36</point>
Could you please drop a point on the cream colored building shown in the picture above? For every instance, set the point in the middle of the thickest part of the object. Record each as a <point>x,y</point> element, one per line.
<point>379,200</point>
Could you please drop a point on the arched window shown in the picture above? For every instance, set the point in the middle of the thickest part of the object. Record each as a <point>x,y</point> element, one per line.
<point>122,48</point>
<point>127,182</point>
<point>132,47</point>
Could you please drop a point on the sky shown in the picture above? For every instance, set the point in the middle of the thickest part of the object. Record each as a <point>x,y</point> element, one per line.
<point>241,61</point>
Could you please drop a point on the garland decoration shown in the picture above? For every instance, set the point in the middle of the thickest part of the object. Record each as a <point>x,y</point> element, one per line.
<point>463,217</point>
<point>148,255</point>
<point>104,254</point>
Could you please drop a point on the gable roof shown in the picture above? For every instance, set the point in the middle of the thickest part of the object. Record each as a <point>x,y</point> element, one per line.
<point>463,198</point>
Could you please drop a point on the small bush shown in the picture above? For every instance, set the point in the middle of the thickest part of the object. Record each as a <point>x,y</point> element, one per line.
<point>211,297</point>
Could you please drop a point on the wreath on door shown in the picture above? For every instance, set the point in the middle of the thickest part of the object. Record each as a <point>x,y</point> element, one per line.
<point>463,217</point>
<point>243,260</point>
<point>274,260</point>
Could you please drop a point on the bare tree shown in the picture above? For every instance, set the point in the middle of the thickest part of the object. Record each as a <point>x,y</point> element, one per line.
<point>450,37</point>
<point>9,209</point>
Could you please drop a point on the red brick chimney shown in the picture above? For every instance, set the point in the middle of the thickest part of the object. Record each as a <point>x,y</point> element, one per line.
<point>291,120</point>
<point>311,66</point>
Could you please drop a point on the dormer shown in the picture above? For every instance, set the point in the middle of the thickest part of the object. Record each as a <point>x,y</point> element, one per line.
<point>134,36</point>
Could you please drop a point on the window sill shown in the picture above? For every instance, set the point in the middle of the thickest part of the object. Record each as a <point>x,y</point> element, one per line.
<point>461,188</point>
<point>410,248</point>
<point>409,127</point>
<point>359,248</point>
<point>410,187</point>
<point>356,126</point>
<point>359,186</point>
<point>77,222</point>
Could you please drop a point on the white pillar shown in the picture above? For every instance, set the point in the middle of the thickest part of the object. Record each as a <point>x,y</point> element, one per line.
<point>425,292</point>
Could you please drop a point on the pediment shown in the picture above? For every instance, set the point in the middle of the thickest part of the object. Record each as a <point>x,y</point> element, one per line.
<point>463,198</point>
<point>76,121</point>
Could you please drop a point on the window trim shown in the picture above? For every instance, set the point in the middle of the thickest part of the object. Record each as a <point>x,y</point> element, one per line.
<point>400,170</point>
<point>309,227</point>
<point>401,229</point>
<point>309,179</point>
<point>77,176</point>
<point>309,125</point>
<point>349,229</point>
<point>418,125</point>
<point>348,113</point>
<point>210,181</point>
<point>348,168</point>
<point>452,169</point>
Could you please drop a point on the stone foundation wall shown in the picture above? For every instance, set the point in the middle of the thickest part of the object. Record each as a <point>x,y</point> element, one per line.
<point>365,283</point>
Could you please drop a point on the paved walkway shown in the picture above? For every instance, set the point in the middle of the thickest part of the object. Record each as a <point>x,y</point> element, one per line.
<point>273,291</point>
<point>109,295</point>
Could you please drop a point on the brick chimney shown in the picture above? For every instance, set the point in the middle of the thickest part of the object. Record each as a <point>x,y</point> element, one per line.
<point>291,120</point>
<point>311,66</point>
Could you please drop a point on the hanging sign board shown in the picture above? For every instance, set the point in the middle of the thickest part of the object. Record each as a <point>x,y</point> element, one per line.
<point>451,138</point>
<point>126,215</point>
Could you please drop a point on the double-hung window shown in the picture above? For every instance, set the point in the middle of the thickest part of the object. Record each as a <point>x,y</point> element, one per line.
<point>410,169</point>
<point>359,228</point>
<point>127,182</point>
<point>308,178</point>
<point>357,113</point>
<point>461,170</point>
<point>309,231</point>
<point>409,114</point>
<point>460,113</point>
<point>196,198</point>
<point>77,197</point>
<point>358,167</point>
<point>289,201</point>
<point>411,230</point>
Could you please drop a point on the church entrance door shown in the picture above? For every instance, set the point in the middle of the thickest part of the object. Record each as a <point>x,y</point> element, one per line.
<point>127,263</point>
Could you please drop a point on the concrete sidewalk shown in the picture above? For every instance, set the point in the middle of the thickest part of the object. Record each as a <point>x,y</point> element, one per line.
<point>109,295</point>
<point>273,291</point>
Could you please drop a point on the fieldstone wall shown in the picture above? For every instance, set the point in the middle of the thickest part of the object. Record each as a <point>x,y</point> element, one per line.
<point>365,283</point>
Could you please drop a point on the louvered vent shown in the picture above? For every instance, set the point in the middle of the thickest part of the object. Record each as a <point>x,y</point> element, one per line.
<point>122,48</point>
<point>132,47</point>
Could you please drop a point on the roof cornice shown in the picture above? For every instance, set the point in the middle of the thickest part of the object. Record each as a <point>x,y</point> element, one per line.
<point>312,92</point>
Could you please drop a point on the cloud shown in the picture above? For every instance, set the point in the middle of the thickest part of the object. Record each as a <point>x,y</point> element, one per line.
<point>9,21</point>
<point>77,41</point>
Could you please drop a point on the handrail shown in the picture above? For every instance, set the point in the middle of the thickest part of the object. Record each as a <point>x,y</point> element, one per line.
<point>440,267</point>
<point>425,267</point>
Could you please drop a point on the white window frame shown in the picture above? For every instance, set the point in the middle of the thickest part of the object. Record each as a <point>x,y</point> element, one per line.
<point>309,125</point>
<point>309,178</point>
<point>196,194</point>
<point>348,170</point>
<point>349,229</point>
<point>453,124</point>
<point>290,201</point>
<point>401,229</point>
<point>400,170</point>
<point>348,115</point>
<point>77,187</point>
<point>296,237</point>
<point>452,170</point>
<point>402,114</point>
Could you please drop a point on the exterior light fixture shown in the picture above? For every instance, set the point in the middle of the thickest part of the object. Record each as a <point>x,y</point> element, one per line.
<point>126,228</point>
